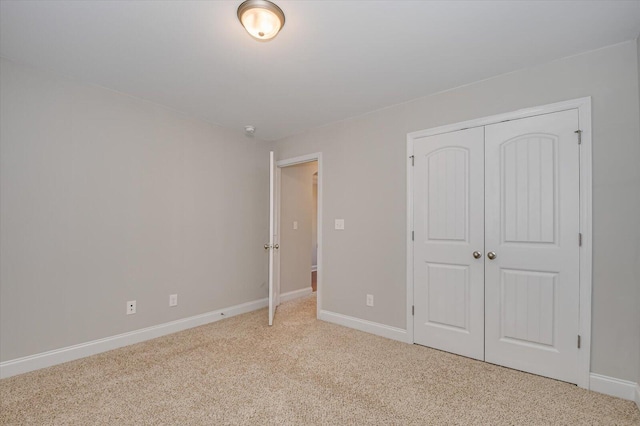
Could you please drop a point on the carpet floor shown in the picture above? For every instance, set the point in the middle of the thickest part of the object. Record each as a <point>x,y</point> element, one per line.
<point>300,371</point>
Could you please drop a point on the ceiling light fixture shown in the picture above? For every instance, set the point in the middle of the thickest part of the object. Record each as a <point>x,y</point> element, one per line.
<point>261,18</point>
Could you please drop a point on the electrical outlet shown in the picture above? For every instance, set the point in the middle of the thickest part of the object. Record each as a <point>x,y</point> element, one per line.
<point>131,307</point>
<point>173,300</point>
<point>369,299</point>
<point>339,224</point>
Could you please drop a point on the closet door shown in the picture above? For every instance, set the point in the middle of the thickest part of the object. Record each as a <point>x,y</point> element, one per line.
<point>449,228</point>
<point>532,244</point>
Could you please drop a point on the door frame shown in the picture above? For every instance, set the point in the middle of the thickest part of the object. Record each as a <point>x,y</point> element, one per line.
<point>583,105</point>
<point>316,156</point>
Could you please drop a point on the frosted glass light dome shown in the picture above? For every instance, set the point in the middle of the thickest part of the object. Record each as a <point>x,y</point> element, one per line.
<point>261,18</point>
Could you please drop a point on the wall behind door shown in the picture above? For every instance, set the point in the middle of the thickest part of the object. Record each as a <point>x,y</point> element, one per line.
<point>314,223</point>
<point>365,171</point>
<point>296,204</point>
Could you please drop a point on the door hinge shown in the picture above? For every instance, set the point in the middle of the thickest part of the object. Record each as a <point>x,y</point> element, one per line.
<point>413,310</point>
<point>580,239</point>
<point>578,341</point>
<point>413,234</point>
<point>579,133</point>
<point>412,160</point>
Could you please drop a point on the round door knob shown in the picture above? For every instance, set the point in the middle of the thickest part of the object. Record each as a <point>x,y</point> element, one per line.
<point>491,255</point>
<point>477,254</point>
<point>266,246</point>
<point>277,246</point>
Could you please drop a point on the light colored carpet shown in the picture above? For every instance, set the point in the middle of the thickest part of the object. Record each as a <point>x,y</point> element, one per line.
<point>300,371</point>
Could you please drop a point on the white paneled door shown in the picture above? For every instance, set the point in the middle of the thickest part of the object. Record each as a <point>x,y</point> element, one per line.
<point>449,229</point>
<point>273,244</point>
<point>496,245</point>
<point>532,225</point>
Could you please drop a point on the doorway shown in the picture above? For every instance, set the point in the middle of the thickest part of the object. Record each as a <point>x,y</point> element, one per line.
<point>297,230</point>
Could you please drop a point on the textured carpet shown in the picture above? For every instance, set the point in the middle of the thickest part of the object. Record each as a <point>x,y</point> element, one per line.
<point>300,371</point>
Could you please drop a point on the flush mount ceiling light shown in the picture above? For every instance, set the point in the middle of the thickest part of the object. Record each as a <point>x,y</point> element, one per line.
<point>261,18</point>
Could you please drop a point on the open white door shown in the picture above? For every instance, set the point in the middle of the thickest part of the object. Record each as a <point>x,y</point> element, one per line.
<point>272,221</point>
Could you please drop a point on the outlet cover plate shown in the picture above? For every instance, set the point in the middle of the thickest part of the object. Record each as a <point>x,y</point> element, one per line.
<point>131,307</point>
<point>173,300</point>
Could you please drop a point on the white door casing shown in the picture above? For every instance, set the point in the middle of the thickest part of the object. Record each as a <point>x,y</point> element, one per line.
<point>532,224</point>
<point>449,228</point>
<point>276,235</point>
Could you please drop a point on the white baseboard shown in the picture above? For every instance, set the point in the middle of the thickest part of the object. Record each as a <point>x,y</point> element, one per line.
<point>638,395</point>
<point>611,386</point>
<point>366,326</point>
<point>314,268</point>
<point>290,295</point>
<point>70,353</point>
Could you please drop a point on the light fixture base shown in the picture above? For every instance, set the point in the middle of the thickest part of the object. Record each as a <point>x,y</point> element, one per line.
<point>262,19</point>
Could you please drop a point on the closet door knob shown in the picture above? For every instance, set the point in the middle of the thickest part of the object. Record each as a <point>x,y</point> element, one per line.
<point>266,246</point>
<point>477,254</point>
<point>491,255</point>
<point>277,246</point>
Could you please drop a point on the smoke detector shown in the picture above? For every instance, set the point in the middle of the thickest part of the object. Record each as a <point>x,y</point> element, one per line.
<point>249,130</point>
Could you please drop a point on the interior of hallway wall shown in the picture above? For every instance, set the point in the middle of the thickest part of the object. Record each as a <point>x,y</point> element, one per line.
<point>296,205</point>
<point>107,198</point>
<point>314,223</point>
<point>364,182</point>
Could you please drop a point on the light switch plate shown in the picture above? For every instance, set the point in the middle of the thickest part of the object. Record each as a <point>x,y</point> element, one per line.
<point>295,224</point>
<point>340,224</point>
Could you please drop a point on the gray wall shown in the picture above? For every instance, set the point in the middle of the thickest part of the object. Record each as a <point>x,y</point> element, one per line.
<point>296,204</point>
<point>314,224</point>
<point>106,198</point>
<point>364,177</point>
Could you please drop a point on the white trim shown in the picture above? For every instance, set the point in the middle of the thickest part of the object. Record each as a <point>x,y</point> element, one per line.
<point>514,115</point>
<point>299,160</point>
<point>274,291</point>
<point>295,294</point>
<point>277,228</point>
<point>611,386</point>
<point>586,251</point>
<point>409,236</point>
<point>70,353</point>
<point>316,156</point>
<point>366,326</point>
<point>637,395</point>
<point>584,116</point>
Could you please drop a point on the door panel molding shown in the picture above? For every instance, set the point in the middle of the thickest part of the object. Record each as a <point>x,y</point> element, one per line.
<point>448,229</point>
<point>583,106</point>
<point>529,178</point>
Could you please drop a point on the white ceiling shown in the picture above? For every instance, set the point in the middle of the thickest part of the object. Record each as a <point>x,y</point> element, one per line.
<point>332,60</point>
